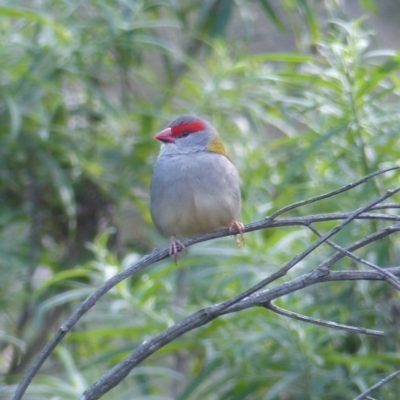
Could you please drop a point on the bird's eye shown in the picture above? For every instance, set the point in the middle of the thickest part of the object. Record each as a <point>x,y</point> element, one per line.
<point>185,133</point>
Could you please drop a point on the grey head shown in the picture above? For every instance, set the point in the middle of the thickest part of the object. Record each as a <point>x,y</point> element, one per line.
<point>187,134</point>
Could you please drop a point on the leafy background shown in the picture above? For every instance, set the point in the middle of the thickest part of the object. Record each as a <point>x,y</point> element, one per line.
<point>307,100</point>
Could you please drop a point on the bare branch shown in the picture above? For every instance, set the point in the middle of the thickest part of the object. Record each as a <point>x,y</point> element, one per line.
<point>385,206</point>
<point>243,301</point>
<point>239,302</point>
<point>202,317</point>
<point>294,221</point>
<point>160,254</point>
<point>360,243</point>
<point>156,255</point>
<point>322,322</point>
<point>332,193</point>
<point>390,278</point>
<point>364,395</point>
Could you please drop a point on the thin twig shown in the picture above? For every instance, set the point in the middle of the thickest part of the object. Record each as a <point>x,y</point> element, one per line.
<point>332,193</point>
<point>116,374</point>
<point>364,395</point>
<point>158,255</point>
<point>289,222</point>
<point>385,206</point>
<point>121,370</point>
<point>283,271</point>
<point>322,322</point>
<point>90,301</point>
<point>372,237</point>
<point>390,278</point>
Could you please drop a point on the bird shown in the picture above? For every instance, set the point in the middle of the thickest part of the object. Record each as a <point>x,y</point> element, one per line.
<point>195,188</point>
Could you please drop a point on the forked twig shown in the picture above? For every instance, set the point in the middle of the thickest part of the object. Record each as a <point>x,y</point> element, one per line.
<point>322,322</point>
<point>332,193</point>
<point>235,303</point>
<point>390,278</point>
<point>377,385</point>
<point>248,298</point>
<point>116,374</point>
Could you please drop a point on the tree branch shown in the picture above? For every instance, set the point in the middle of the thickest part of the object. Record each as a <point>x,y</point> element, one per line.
<point>322,322</point>
<point>363,395</point>
<point>160,254</point>
<point>332,193</point>
<point>390,278</point>
<point>248,298</point>
<point>243,301</point>
<point>116,374</point>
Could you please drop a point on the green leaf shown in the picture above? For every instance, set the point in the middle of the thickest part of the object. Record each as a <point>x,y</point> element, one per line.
<point>268,9</point>
<point>215,17</point>
<point>63,33</point>
<point>294,166</point>
<point>15,116</point>
<point>369,5</point>
<point>202,376</point>
<point>311,19</point>
<point>62,186</point>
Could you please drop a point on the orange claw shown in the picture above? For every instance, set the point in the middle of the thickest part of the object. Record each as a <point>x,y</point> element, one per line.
<point>239,227</point>
<point>174,243</point>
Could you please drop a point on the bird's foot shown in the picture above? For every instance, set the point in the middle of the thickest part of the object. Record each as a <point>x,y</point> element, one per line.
<point>175,246</point>
<point>239,239</point>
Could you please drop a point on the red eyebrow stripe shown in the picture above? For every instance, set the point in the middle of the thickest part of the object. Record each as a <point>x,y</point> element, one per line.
<point>193,126</point>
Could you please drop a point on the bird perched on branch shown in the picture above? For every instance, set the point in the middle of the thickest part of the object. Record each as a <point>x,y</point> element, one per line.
<point>195,186</point>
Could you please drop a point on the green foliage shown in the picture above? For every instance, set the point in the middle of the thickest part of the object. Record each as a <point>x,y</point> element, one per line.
<point>83,87</point>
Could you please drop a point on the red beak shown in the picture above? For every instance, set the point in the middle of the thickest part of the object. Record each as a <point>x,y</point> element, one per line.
<point>165,136</point>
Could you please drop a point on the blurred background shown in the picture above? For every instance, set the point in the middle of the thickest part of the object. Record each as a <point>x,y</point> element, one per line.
<point>305,93</point>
